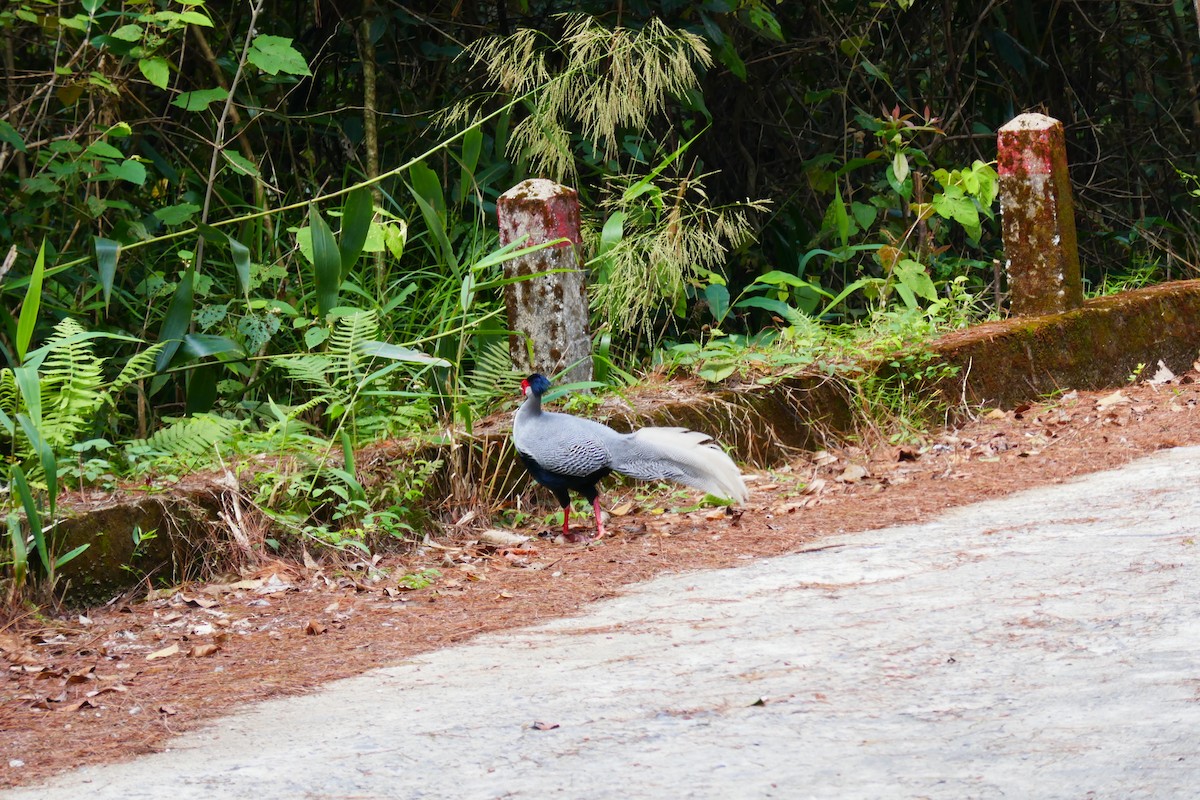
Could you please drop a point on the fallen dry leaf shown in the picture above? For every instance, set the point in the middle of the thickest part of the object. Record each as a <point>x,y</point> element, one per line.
<point>203,650</point>
<point>314,628</point>
<point>853,474</point>
<point>166,652</point>
<point>621,510</point>
<point>815,486</point>
<point>544,726</point>
<point>499,538</point>
<point>199,602</point>
<point>78,704</point>
<point>1109,400</point>
<point>1162,375</point>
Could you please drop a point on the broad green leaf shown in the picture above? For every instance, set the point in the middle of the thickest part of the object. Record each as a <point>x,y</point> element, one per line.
<point>466,295</point>
<point>9,135</point>
<point>202,345</point>
<point>765,22</point>
<point>397,353</point>
<point>395,236</point>
<point>428,185</point>
<point>195,18</point>
<point>176,214</point>
<point>874,71</point>
<point>728,56</point>
<point>900,166</point>
<point>32,304</point>
<point>128,170</point>
<point>241,262</point>
<point>435,222</point>
<point>200,99</point>
<point>612,233</point>
<point>776,277</point>
<point>863,215</point>
<point>913,276</point>
<point>102,149</point>
<point>275,54</point>
<point>314,337</point>
<point>201,390</point>
<point>240,163</point>
<point>841,221</point>
<point>777,307</point>
<point>472,144</point>
<point>107,252</point>
<point>156,69</point>
<point>717,371</point>
<point>129,33</point>
<point>327,262</point>
<point>175,324</point>
<point>717,297</point>
<point>356,224</point>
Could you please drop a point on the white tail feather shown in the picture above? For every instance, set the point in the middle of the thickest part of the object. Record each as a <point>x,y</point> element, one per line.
<point>689,457</point>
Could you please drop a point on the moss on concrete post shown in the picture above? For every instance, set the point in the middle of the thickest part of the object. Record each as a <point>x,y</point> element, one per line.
<point>549,313</point>
<point>1038,212</point>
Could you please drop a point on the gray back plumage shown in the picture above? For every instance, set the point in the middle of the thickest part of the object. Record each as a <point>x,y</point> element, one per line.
<point>573,446</point>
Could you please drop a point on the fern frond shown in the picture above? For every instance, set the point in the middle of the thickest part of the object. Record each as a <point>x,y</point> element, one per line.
<point>350,333</point>
<point>311,370</point>
<point>493,374</point>
<point>71,379</point>
<point>190,436</point>
<point>140,366</point>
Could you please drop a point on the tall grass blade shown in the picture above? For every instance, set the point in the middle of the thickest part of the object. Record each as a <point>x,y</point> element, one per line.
<point>32,517</point>
<point>356,224</point>
<point>30,387</point>
<point>107,252</point>
<point>19,553</point>
<point>241,263</point>
<point>327,262</point>
<point>32,304</point>
<point>472,145</point>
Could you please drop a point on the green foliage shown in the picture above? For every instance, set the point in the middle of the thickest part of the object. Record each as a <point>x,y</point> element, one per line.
<point>209,180</point>
<point>587,84</point>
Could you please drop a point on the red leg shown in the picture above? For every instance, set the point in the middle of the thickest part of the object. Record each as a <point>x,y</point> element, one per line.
<point>566,519</point>
<point>599,519</point>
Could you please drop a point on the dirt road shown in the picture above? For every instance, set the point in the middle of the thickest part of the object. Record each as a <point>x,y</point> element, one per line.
<point>1042,645</point>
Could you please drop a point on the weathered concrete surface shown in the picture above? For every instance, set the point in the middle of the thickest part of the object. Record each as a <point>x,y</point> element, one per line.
<point>549,313</point>
<point>1094,347</point>
<point>1045,645</point>
<point>1038,215</point>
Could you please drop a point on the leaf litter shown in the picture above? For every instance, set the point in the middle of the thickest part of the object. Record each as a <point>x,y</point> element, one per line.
<point>287,628</point>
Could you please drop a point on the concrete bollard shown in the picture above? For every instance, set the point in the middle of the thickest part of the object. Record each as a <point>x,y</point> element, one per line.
<point>549,312</point>
<point>1038,217</point>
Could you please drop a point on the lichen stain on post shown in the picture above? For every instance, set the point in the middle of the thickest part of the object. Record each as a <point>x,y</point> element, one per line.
<point>1038,214</point>
<point>550,312</point>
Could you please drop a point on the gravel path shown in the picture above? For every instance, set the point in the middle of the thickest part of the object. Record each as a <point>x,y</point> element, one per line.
<point>1043,645</point>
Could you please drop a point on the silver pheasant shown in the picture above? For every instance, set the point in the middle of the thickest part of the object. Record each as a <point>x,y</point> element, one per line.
<point>565,453</point>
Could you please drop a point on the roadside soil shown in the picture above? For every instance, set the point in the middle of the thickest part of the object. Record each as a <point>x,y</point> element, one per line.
<point>109,683</point>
